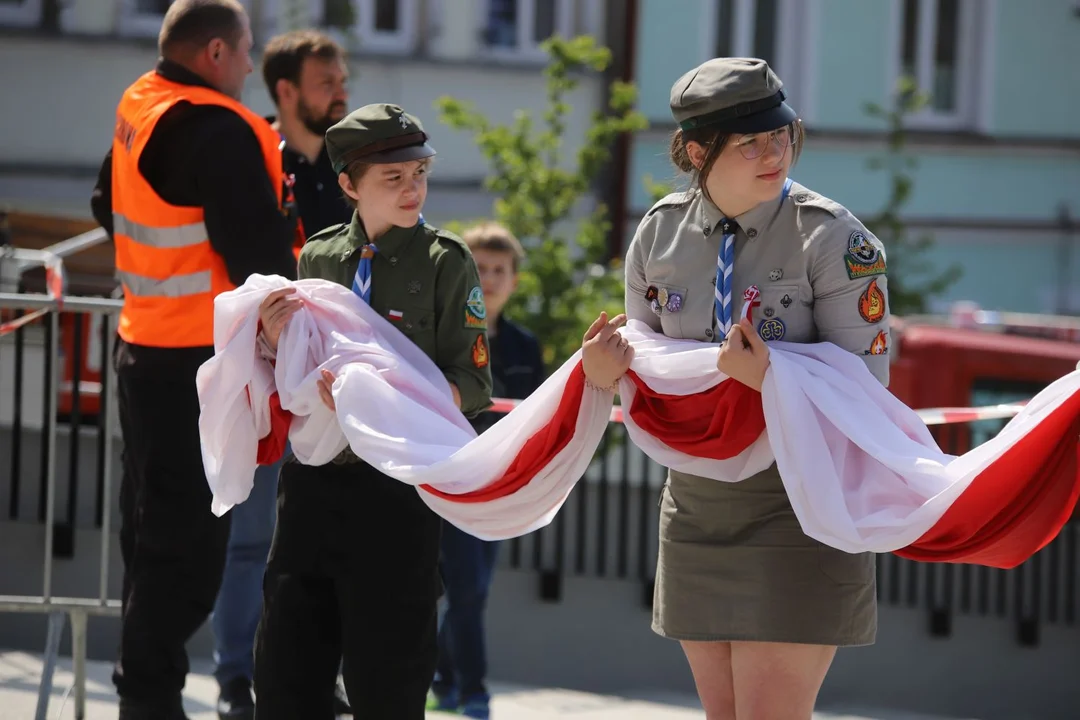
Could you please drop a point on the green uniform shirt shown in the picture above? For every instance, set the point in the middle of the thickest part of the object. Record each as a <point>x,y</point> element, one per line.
<point>425,282</point>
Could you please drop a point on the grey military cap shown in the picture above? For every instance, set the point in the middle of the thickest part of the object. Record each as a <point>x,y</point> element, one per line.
<point>733,95</point>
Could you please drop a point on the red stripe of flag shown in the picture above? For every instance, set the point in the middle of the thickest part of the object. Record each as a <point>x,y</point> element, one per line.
<point>537,452</point>
<point>1018,504</point>
<point>716,424</point>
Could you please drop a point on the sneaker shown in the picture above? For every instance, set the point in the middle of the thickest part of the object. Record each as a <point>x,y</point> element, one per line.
<point>236,701</point>
<point>477,706</point>
<point>443,703</point>
<point>341,700</point>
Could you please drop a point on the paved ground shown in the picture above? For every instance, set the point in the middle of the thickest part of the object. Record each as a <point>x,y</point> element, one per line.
<point>20,673</point>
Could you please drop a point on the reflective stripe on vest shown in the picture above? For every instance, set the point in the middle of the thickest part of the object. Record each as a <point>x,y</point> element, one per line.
<point>171,287</point>
<point>160,237</point>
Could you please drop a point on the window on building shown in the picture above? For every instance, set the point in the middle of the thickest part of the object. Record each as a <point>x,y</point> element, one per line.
<point>378,26</point>
<point>386,25</point>
<point>142,17</point>
<point>746,28</point>
<point>20,13</point>
<point>773,30</point>
<point>519,26</point>
<point>936,50</point>
<point>387,17</point>
<point>766,25</point>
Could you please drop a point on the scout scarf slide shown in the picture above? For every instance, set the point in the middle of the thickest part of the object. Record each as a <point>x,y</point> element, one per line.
<point>861,470</point>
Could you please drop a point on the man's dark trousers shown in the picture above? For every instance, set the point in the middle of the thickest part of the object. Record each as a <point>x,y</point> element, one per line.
<point>172,545</point>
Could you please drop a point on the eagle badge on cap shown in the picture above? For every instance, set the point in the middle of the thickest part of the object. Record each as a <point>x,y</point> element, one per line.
<point>404,121</point>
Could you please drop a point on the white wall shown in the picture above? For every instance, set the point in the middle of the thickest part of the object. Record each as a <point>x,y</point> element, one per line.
<point>60,104</point>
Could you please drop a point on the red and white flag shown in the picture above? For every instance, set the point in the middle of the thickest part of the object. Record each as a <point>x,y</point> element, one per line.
<point>860,468</point>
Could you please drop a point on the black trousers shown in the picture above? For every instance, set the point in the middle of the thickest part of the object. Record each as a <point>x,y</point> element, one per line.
<point>352,576</point>
<point>172,545</point>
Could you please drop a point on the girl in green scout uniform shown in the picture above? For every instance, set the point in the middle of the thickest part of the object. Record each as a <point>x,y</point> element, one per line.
<point>353,571</point>
<point>758,606</point>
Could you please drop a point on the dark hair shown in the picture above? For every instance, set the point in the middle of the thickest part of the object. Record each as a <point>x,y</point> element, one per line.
<point>715,142</point>
<point>355,171</point>
<point>494,237</point>
<point>191,24</point>
<point>284,56</point>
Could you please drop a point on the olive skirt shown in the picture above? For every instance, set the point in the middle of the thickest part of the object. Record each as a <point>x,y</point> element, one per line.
<point>734,564</point>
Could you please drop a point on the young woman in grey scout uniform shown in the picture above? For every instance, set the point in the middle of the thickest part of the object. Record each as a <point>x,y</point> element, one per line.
<point>758,606</point>
<point>353,570</point>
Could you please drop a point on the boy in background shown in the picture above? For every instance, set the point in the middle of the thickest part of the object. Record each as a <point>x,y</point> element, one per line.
<point>468,563</point>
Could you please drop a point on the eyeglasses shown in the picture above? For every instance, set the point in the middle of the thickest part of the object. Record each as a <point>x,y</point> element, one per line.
<point>754,146</point>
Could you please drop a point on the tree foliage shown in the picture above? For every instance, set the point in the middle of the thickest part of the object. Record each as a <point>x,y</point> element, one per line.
<point>913,278</point>
<point>568,276</point>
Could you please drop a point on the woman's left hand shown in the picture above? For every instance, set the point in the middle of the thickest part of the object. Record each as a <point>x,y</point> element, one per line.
<point>744,356</point>
<point>326,392</point>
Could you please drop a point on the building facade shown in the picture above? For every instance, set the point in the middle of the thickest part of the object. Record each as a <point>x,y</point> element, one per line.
<point>61,85</point>
<point>998,171</point>
<point>997,179</point>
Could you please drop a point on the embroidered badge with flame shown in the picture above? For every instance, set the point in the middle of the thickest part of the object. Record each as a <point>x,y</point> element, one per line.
<point>480,352</point>
<point>872,303</point>
<point>880,346</point>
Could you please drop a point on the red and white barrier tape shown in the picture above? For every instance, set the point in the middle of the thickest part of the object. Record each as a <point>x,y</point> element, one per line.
<point>55,281</point>
<point>930,416</point>
<point>13,325</point>
<point>54,286</point>
<point>948,416</point>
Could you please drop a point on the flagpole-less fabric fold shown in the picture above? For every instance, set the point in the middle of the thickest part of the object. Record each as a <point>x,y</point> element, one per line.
<point>861,470</point>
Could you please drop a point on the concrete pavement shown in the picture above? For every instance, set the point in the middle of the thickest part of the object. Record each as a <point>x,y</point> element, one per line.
<point>20,673</point>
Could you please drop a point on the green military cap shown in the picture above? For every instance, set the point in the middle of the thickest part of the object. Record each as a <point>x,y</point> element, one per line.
<point>733,95</point>
<point>377,134</point>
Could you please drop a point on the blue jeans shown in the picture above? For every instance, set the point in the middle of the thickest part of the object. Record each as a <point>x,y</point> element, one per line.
<point>239,602</point>
<point>467,565</point>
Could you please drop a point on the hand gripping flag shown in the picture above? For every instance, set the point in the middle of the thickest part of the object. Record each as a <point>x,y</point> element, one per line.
<point>861,470</point>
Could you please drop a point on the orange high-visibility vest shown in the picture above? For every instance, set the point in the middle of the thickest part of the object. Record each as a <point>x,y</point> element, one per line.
<point>169,272</point>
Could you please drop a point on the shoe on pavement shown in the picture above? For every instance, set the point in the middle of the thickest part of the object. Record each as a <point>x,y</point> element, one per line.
<point>341,701</point>
<point>236,701</point>
<point>447,702</point>
<point>476,706</point>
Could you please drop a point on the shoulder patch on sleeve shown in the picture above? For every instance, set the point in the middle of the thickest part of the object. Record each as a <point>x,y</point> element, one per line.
<point>837,232</point>
<point>475,310</point>
<point>677,199</point>
<point>864,258</point>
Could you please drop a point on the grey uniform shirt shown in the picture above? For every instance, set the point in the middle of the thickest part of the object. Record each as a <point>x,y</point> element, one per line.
<point>820,272</point>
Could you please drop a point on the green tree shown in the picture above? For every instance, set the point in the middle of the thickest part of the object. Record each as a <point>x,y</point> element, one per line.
<point>569,276</point>
<point>913,278</point>
<point>656,191</point>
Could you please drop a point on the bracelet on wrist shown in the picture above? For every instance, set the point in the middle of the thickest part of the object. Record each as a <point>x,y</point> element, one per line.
<point>593,386</point>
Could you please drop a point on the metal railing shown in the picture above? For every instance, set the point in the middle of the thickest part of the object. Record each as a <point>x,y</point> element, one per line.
<point>607,528</point>
<point>49,306</point>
